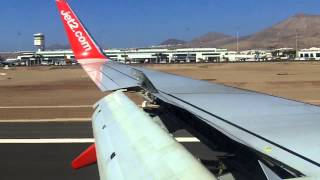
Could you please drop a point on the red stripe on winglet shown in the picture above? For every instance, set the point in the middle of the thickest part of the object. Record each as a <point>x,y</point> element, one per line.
<point>87,158</point>
<point>81,42</point>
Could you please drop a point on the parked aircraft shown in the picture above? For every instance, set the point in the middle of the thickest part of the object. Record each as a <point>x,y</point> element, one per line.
<point>9,62</point>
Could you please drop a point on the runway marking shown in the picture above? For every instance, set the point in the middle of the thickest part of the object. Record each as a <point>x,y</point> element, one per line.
<point>45,120</point>
<point>187,139</point>
<point>74,140</point>
<point>45,107</point>
<point>46,141</point>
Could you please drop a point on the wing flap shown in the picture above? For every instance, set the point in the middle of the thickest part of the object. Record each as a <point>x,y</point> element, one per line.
<point>120,78</point>
<point>107,78</point>
<point>130,145</point>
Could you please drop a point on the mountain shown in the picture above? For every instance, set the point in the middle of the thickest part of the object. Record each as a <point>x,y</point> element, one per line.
<point>305,29</point>
<point>211,39</point>
<point>301,28</point>
<point>172,42</point>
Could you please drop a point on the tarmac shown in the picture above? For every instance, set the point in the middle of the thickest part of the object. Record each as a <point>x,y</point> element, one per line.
<point>45,122</point>
<point>44,150</point>
<point>43,160</point>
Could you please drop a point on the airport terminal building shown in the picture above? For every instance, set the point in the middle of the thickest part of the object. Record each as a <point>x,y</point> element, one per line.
<point>141,55</point>
<point>156,54</point>
<point>162,54</point>
<point>152,55</point>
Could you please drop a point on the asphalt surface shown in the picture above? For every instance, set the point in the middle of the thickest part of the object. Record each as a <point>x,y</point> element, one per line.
<point>42,162</point>
<point>45,130</point>
<point>51,161</point>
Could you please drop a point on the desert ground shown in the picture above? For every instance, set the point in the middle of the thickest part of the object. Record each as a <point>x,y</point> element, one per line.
<point>71,88</point>
<point>56,103</point>
<point>293,80</point>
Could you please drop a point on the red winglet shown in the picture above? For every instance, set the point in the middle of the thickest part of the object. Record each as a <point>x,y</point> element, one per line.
<point>87,158</point>
<point>82,44</point>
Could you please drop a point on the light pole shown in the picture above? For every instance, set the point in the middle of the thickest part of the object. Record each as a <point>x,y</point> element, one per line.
<point>237,42</point>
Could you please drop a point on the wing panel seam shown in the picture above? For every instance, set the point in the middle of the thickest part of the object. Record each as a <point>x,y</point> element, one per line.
<point>243,129</point>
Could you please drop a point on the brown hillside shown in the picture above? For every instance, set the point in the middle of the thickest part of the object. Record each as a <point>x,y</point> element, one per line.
<point>284,34</point>
<point>211,39</point>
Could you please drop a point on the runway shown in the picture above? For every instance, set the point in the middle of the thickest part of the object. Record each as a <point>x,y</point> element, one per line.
<point>76,140</point>
<point>43,162</point>
<point>44,150</point>
<point>44,107</point>
<point>45,120</point>
<point>45,130</point>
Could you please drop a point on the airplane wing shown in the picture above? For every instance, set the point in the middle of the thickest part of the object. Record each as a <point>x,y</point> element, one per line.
<point>129,144</point>
<point>252,128</point>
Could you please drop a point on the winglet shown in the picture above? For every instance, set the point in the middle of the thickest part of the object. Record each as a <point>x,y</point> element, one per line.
<point>87,158</point>
<point>81,42</point>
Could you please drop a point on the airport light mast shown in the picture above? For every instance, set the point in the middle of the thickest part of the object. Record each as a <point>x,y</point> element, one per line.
<point>237,42</point>
<point>297,43</point>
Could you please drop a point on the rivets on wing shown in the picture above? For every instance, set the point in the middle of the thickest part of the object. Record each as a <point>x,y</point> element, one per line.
<point>112,155</point>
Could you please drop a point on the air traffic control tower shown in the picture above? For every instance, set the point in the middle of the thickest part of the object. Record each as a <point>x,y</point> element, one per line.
<point>39,41</point>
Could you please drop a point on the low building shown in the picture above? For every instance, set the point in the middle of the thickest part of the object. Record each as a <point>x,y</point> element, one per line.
<point>259,55</point>
<point>309,54</point>
<point>233,56</point>
<point>284,54</point>
<point>140,55</point>
<point>154,55</point>
<point>171,55</point>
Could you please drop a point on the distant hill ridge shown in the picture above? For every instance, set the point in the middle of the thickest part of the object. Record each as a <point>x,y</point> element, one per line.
<point>172,42</point>
<point>211,39</point>
<point>301,28</point>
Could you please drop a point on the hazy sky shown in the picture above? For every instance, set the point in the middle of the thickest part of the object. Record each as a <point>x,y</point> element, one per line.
<point>138,23</point>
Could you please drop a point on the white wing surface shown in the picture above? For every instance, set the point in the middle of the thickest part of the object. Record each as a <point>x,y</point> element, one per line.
<point>283,132</point>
